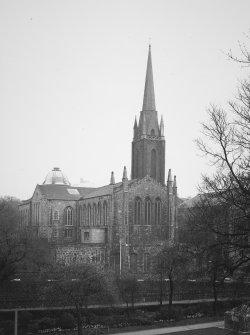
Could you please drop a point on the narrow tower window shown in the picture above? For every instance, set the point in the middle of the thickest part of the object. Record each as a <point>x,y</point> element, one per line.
<point>153,163</point>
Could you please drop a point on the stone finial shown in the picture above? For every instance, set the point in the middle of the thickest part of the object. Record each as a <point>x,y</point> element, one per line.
<point>125,175</point>
<point>162,127</point>
<point>175,186</point>
<point>170,175</point>
<point>112,178</point>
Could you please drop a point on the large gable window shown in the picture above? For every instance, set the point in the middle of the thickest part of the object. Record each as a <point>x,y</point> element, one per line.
<point>148,206</point>
<point>158,211</point>
<point>138,207</point>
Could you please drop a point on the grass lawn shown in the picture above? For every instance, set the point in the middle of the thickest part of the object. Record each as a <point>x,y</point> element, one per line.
<point>206,331</point>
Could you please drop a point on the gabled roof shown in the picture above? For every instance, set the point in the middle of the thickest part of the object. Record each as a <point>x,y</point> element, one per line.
<point>63,192</point>
<point>106,190</point>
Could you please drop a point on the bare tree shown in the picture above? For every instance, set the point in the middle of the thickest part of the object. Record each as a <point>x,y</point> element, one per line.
<point>171,264</point>
<point>225,142</point>
<point>79,285</point>
<point>128,288</point>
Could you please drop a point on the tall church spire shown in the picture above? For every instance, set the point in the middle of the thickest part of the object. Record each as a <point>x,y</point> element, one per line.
<point>149,94</point>
<point>148,146</point>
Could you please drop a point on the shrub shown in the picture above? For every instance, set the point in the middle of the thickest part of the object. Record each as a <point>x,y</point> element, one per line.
<point>46,323</point>
<point>67,321</point>
<point>33,327</point>
<point>8,326</point>
<point>175,313</point>
<point>25,317</point>
<point>191,311</point>
<point>205,308</point>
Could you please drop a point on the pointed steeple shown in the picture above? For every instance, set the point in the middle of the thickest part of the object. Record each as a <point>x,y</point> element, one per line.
<point>149,94</point>
<point>135,124</point>
<point>112,178</point>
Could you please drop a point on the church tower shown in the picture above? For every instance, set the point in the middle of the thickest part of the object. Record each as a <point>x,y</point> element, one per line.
<point>148,146</point>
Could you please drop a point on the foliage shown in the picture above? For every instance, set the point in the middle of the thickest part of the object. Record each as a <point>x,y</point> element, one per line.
<point>12,249</point>
<point>20,249</point>
<point>66,321</point>
<point>47,323</point>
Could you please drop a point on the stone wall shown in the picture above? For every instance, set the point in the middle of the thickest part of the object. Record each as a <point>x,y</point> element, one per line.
<point>78,253</point>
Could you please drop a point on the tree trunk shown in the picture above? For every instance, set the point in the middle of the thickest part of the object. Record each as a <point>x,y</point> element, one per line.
<point>215,295</point>
<point>161,288</point>
<point>171,291</point>
<point>132,301</point>
<point>79,320</point>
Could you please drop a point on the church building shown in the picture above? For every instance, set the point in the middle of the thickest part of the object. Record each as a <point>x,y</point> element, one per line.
<point>123,224</point>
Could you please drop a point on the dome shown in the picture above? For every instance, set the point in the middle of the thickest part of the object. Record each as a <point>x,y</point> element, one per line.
<point>56,177</point>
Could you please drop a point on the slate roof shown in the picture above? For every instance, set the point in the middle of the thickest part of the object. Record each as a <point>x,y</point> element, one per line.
<point>106,190</point>
<point>101,191</point>
<point>63,192</point>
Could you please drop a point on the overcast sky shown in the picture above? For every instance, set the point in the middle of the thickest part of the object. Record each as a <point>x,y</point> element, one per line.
<point>72,76</point>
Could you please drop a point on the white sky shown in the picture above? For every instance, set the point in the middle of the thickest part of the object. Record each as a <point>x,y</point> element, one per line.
<point>72,77</point>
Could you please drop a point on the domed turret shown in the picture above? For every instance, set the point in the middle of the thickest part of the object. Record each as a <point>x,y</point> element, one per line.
<point>56,177</point>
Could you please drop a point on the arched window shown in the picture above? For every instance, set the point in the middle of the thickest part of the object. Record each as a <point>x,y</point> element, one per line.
<point>133,262</point>
<point>146,262</point>
<point>89,215</point>
<point>80,215</point>
<point>68,216</point>
<point>138,206</point>
<point>84,215</point>
<point>94,215</point>
<point>158,211</point>
<point>152,132</point>
<point>153,163</point>
<point>148,211</point>
<point>99,213</point>
<point>105,213</point>
<point>56,215</point>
